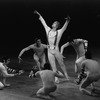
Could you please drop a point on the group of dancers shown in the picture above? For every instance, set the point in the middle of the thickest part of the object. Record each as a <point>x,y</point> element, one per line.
<point>87,69</point>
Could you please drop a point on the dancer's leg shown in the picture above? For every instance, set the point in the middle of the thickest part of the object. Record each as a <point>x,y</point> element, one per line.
<point>42,61</point>
<point>59,58</point>
<point>52,62</point>
<point>37,61</point>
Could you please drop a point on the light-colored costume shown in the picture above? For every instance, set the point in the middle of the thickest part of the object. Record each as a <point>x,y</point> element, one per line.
<point>53,38</point>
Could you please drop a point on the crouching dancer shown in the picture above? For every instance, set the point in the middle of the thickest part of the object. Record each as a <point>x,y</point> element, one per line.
<point>92,71</point>
<point>48,80</point>
<point>3,72</point>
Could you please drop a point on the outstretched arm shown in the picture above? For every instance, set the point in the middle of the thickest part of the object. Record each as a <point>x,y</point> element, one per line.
<point>42,21</point>
<point>82,40</point>
<point>5,74</point>
<point>23,50</point>
<point>45,46</point>
<point>63,46</point>
<point>64,26</point>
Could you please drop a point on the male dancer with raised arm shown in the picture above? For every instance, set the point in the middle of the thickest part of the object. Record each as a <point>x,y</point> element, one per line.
<point>54,35</point>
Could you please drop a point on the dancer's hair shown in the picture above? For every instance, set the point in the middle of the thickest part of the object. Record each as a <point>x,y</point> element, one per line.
<point>36,39</point>
<point>4,58</point>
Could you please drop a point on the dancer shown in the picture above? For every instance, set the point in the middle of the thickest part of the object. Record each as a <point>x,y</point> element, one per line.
<point>39,54</point>
<point>91,68</point>
<point>3,69</point>
<point>80,46</point>
<point>53,36</point>
<point>48,79</point>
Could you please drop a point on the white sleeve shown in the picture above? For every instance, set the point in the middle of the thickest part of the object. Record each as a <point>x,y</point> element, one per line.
<point>47,28</point>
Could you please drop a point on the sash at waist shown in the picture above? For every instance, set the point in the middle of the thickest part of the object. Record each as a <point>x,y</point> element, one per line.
<point>51,47</point>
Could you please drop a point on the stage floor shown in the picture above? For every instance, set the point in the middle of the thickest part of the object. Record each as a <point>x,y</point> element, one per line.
<point>24,88</point>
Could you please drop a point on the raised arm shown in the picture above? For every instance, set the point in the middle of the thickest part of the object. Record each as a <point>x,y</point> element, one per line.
<point>42,21</point>
<point>82,40</point>
<point>64,26</point>
<point>22,51</point>
<point>64,46</point>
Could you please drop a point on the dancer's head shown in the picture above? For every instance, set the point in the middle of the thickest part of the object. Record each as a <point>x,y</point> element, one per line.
<point>38,41</point>
<point>56,25</point>
<point>5,60</point>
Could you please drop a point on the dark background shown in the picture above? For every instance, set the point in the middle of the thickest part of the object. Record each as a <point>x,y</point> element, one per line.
<point>19,26</point>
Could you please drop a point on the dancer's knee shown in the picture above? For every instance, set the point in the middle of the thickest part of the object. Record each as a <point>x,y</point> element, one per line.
<point>77,68</point>
<point>40,91</point>
<point>85,83</point>
<point>61,64</point>
<point>50,89</point>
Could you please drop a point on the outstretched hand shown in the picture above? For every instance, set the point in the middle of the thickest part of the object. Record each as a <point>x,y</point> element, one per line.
<point>68,18</point>
<point>64,57</point>
<point>20,60</point>
<point>36,12</point>
<point>20,72</point>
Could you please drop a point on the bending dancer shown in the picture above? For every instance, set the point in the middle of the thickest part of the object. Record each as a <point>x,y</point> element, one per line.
<point>53,36</point>
<point>3,69</point>
<point>91,68</point>
<point>48,79</point>
<point>39,54</point>
<point>80,46</point>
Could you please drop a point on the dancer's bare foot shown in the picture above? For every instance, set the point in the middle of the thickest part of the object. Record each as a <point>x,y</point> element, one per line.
<point>6,85</point>
<point>47,97</point>
<point>56,80</point>
<point>68,78</point>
